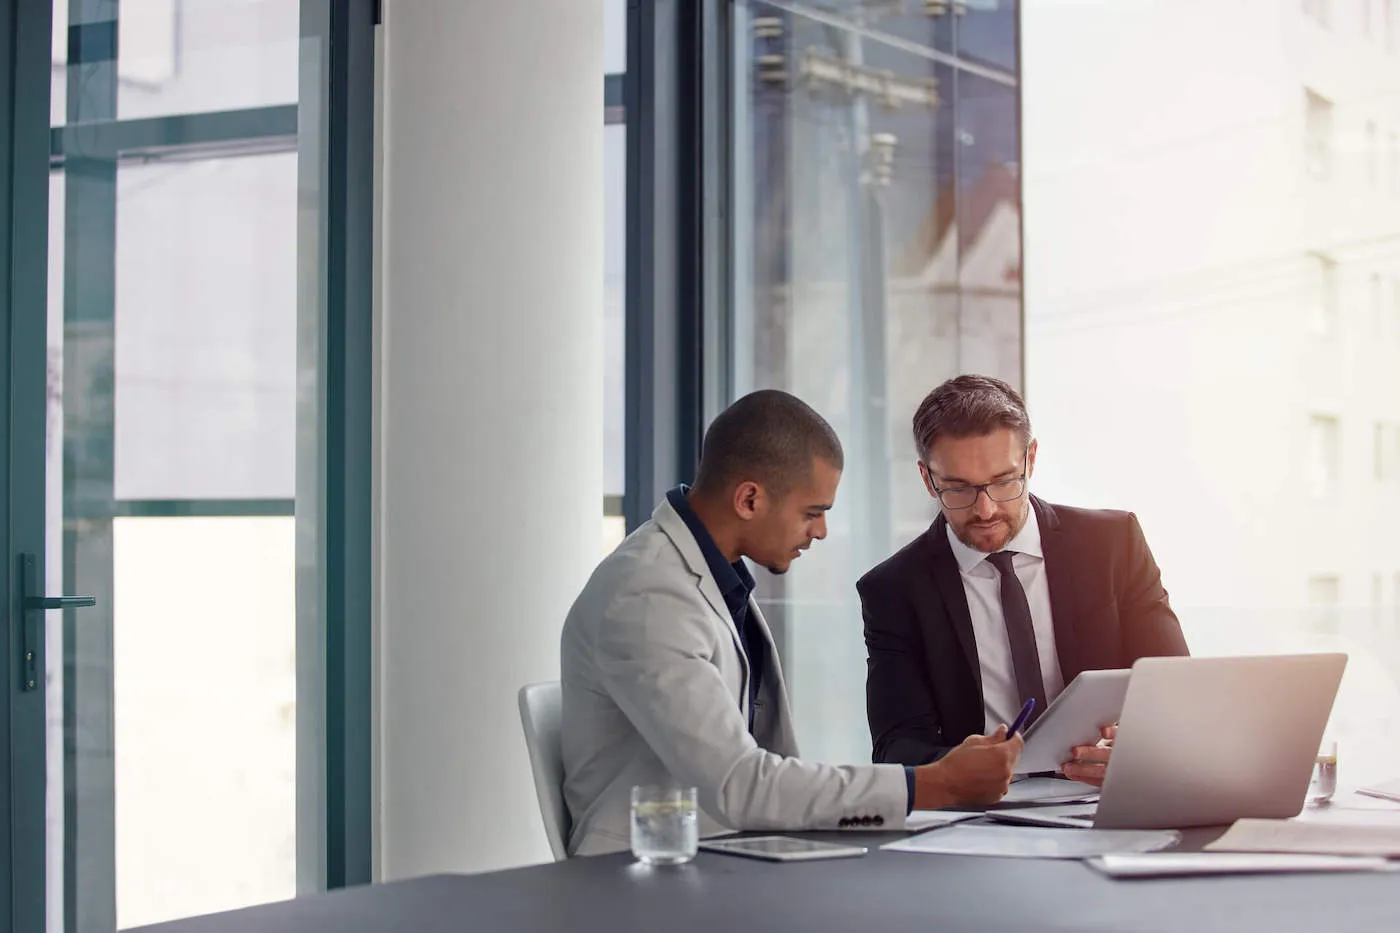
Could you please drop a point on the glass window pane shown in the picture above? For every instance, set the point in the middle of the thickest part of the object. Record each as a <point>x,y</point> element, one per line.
<point>1188,322</point>
<point>205,715</point>
<point>614,307</point>
<point>614,36</point>
<point>171,737</point>
<point>190,56</point>
<point>876,253</point>
<point>614,530</point>
<point>206,328</point>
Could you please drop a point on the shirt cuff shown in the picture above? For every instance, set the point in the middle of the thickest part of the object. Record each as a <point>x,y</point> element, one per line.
<point>909,780</point>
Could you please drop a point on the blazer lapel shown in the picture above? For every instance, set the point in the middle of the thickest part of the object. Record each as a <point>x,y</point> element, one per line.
<point>947,579</point>
<point>675,528</point>
<point>1060,575</point>
<point>680,535</point>
<point>772,728</point>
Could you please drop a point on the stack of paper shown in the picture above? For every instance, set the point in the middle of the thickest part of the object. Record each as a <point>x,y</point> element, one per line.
<point>1309,837</point>
<point>1179,864</point>
<point>1034,842</point>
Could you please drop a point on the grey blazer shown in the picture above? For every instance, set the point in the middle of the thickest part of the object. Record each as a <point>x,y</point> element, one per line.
<point>655,692</point>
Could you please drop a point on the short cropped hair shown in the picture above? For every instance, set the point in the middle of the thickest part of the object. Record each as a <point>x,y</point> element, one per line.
<point>767,437</point>
<point>969,406</point>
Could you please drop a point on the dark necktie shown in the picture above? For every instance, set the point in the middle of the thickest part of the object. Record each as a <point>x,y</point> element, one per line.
<point>1025,659</point>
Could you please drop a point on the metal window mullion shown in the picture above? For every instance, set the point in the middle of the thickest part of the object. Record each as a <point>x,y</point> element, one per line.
<point>664,335</point>
<point>334,491</point>
<point>184,136</point>
<point>25,28</point>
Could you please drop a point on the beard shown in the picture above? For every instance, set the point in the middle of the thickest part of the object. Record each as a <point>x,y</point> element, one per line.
<point>1014,524</point>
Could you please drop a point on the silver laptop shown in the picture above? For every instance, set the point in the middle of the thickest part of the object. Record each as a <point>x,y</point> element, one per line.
<point>1207,741</point>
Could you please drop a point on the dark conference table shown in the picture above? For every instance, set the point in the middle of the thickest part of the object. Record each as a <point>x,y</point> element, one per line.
<point>879,893</point>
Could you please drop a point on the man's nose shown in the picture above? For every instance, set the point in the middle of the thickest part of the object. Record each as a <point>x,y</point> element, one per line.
<point>819,531</point>
<point>984,507</point>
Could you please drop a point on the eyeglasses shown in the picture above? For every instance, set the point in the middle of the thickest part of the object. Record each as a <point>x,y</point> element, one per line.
<point>965,497</point>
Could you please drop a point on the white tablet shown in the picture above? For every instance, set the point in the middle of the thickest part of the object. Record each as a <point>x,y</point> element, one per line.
<point>1093,699</point>
<point>781,848</point>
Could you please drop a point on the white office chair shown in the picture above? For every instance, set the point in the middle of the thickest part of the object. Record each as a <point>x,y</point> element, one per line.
<point>540,714</point>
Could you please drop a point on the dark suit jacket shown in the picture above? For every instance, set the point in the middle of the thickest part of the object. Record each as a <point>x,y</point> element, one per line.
<point>923,679</point>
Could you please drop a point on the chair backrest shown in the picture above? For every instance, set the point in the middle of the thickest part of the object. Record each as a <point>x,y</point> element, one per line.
<point>541,708</point>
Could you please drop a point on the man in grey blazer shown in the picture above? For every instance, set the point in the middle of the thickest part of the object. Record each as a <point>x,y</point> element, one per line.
<point>669,671</point>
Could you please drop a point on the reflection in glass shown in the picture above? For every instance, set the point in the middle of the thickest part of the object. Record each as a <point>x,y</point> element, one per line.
<point>178,56</point>
<point>876,253</point>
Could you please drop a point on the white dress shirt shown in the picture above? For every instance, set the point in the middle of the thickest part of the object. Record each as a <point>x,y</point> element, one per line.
<point>982,584</point>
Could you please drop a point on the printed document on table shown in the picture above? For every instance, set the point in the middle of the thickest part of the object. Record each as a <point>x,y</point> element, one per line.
<point>1388,790</point>
<point>920,820</point>
<point>1329,838</point>
<point>1034,841</point>
<point>1182,864</point>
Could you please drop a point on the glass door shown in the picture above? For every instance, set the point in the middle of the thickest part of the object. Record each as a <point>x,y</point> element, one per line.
<point>154,438</point>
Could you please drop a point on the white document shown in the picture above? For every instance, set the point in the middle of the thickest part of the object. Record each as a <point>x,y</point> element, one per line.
<point>1050,790</point>
<point>1252,835</point>
<point>1390,790</point>
<point>920,820</point>
<point>1025,842</point>
<point>1179,864</point>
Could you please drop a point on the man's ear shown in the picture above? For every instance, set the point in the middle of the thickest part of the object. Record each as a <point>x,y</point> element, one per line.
<point>1030,456</point>
<point>927,477</point>
<point>749,500</point>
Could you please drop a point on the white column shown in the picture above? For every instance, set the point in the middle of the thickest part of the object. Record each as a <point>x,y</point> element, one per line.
<point>490,403</point>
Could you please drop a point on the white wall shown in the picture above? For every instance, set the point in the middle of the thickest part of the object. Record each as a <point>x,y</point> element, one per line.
<point>491,406</point>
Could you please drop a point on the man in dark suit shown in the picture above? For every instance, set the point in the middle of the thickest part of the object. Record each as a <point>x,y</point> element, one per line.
<point>1005,597</point>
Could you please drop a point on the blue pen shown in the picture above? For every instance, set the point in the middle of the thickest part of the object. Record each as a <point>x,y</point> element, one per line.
<point>1021,719</point>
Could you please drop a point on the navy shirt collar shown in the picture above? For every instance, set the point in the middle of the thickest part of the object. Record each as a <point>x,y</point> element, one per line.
<point>735,581</point>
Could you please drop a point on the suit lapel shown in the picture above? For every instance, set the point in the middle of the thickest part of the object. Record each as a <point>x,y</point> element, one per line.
<point>675,528</point>
<point>680,536</point>
<point>1060,576</point>
<point>947,579</point>
<point>781,738</point>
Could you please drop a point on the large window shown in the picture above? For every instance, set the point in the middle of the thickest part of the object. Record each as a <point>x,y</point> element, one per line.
<point>876,252</point>
<point>1210,267</point>
<point>1182,264</point>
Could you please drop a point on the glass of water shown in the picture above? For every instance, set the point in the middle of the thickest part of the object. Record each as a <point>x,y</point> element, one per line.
<point>1324,782</point>
<point>664,828</point>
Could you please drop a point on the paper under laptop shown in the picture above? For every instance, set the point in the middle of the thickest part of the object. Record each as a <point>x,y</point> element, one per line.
<point>1252,835</point>
<point>1018,842</point>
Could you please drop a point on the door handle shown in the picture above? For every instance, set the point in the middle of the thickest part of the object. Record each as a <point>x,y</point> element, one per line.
<point>58,602</point>
<point>32,608</point>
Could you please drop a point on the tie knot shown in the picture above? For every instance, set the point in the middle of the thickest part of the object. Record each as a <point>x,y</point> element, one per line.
<point>1001,560</point>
